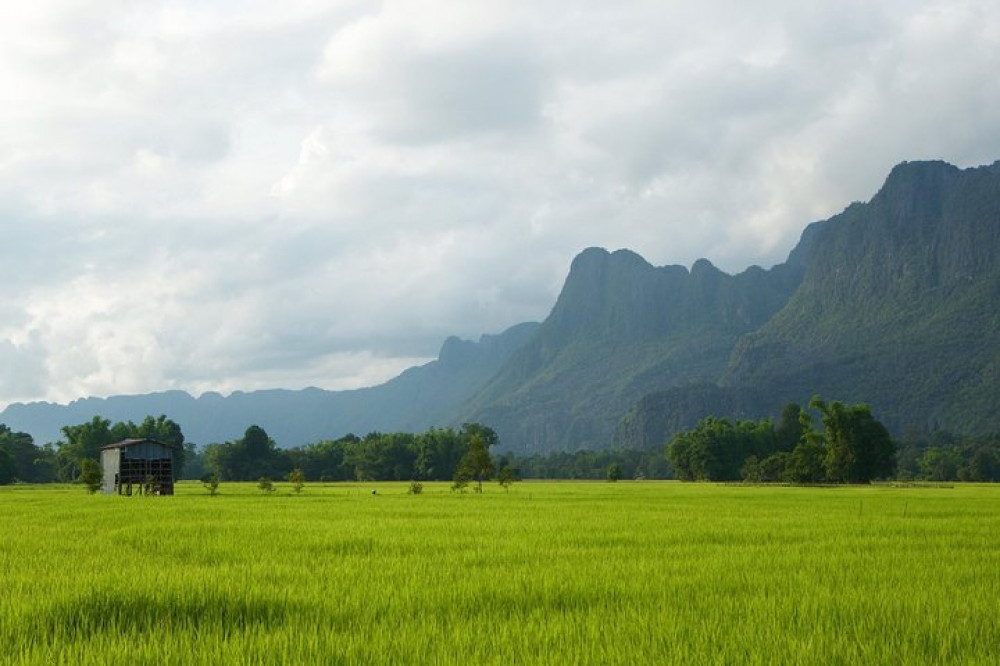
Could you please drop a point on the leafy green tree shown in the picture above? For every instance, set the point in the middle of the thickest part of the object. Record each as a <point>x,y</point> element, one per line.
<point>791,428</point>
<point>506,478</point>
<point>984,465</point>
<point>751,470</point>
<point>614,472</point>
<point>253,456</point>
<point>83,442</point>
<point>91,475</point>
<point>858,447</point>
<point>265,485</point>
<point>476,464</point>
<point>940,464</point>
<point>806,464</point>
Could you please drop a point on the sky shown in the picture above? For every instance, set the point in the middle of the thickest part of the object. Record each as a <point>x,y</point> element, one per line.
<point>214,195</point>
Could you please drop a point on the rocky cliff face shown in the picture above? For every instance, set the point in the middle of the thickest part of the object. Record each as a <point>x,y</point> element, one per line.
<point>620,329</point>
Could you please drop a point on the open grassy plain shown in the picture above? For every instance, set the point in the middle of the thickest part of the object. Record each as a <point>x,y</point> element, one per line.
<point>551,573</point>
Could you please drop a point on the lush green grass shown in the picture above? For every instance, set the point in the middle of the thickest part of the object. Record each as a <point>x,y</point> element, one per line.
<point>551,573</point>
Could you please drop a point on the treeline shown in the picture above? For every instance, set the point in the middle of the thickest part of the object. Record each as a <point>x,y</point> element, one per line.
<point>430,456</point>
<point>851,446</point>
<point>625,464</point>
<point>944,456</point>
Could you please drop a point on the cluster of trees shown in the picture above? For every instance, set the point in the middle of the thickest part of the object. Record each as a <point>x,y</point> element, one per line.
<point>435,455</point>
<point>595,465</point>
<point>22,460</point>
<point>851,447</point>
<point>944,456</point>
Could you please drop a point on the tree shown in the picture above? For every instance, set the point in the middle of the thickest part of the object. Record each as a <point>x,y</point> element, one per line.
<point>265,485</point>
<point>791,427</point>
<point>506,478</point>
<point>476,464</point>
<point>91,475</point>
<point>8,469</point>
<point>614,472</point>
<point>858,447</point>
<point>211,483</point>
<point>83,442</point>
<point>298,480</point>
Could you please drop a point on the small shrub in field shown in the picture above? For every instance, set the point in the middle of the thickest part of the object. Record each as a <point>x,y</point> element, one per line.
<point>614,472</point>
<point>211,483</point>
<point>416,488</point>
<point>460,483</point>
<point>91,475</point>
<point>265,485</point>
<point>506,478</point>
<point>298,479</point>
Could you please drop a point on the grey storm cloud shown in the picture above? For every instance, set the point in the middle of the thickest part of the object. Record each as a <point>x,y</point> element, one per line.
<point>220,196</point>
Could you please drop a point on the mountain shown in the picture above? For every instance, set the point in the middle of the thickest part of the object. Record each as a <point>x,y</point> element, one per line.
<point>421,397</point>
<point>894,302</point>
<point>899,307</point>
<point>620,329</point>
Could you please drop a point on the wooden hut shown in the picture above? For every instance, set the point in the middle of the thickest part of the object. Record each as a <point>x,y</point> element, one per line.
<point>145,464</point>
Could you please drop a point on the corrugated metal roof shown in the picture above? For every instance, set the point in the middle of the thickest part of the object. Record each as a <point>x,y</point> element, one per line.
<point>126,443</point>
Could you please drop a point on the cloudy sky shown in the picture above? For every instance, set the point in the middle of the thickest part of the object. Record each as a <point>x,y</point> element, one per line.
<point>220,195</point>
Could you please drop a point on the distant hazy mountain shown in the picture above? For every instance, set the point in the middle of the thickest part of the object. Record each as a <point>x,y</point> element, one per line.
<point>421,397</point>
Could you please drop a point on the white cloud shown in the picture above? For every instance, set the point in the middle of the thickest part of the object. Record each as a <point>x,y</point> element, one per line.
<point>310,192</point>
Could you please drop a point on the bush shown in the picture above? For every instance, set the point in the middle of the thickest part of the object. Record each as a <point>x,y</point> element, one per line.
<point>416,488</point>
<point>211,483</point>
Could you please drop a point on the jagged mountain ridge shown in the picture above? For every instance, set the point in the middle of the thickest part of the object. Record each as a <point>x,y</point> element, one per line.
<point>620,329</point>
<point>899,307</point>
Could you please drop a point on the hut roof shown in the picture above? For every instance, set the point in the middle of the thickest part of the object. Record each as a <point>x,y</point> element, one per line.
<point>126,443</point>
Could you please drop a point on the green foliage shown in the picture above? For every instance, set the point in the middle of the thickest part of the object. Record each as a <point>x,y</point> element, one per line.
<point>852,448</point>
<point>91,475</point>
<point>858,447</point>
<point>415,488</point>
<point>265,485</point>
<point>298,480</point>
<point>251,457</point>
<point>476,465</point>
<point>84,441</point>
<point>506,477</point>
<point>211,483</point>
<point>21,460</point>
<point>717,449</point>
<point>8,468</point>
<point>460,482</point>
<point>614,472</point>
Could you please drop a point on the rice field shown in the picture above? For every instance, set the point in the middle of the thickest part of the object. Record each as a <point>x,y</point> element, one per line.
<point>549,573</point>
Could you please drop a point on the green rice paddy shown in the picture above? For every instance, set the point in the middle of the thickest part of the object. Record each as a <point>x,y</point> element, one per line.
<point>549,573</point>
